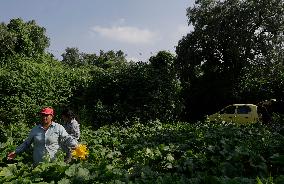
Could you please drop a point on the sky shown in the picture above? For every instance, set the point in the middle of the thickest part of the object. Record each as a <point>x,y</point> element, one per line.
<point>139,28</point>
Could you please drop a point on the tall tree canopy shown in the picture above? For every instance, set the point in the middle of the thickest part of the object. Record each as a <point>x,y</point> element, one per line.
<point>147,91</point>
<point>228,36</point>
<point>73,57</point>
<point>24,38</point>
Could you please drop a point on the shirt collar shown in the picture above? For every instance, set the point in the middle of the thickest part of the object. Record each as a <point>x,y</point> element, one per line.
<point>51,125</point>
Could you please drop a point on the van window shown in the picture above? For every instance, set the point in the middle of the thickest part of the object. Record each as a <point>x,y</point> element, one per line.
<point>228,110</point>
<point>243,109</point>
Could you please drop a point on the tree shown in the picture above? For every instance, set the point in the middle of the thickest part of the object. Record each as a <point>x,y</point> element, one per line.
<point>162,60</point>
<point>166,103</point>
<point>147,91</point>
<point>228,36</point>
<point>72,57</point>
<point>23,38</point>
<point>258,83</point>
<point>110,59</point>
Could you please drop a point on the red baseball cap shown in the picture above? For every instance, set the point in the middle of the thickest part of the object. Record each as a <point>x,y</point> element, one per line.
<point>47,110</point>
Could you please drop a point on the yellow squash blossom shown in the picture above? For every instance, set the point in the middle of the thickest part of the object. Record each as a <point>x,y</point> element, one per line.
<point>80,152</point>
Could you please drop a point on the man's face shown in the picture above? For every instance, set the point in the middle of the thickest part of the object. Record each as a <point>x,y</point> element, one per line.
<point>46,118</point>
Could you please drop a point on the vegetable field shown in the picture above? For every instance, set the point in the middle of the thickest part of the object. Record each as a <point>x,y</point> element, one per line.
<point>157,153</point>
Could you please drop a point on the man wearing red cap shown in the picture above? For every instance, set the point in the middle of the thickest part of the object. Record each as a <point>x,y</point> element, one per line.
<point>46,138</point>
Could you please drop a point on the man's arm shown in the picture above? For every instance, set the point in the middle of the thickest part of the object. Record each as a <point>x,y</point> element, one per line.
<point>22,147</point>
<point>66,138</point>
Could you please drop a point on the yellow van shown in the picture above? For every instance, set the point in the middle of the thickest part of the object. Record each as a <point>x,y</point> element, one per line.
<point>238,113</point>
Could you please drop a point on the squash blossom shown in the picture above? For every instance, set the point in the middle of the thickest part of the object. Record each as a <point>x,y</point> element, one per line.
<point>80,152</point>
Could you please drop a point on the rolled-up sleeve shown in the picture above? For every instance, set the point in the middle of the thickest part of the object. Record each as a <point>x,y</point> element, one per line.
<point>66,138</point>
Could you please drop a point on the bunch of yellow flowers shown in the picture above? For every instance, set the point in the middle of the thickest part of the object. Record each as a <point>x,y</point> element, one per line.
<point>80,152</point>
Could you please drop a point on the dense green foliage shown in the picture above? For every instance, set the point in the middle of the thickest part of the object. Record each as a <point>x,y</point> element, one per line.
<point>22,38</point>
<point>102,88</point>
<point>230,39</point>
<point>73,57</point>
<point>234,54</point>
<point>261,82</point>
<point>107,95</point>
<point>229,57</point>
<point>159,153</point>
<point>26,85</point>
<point>137,90</point>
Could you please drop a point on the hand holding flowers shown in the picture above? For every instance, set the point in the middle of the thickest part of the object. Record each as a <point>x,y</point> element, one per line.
<point>80,152</point>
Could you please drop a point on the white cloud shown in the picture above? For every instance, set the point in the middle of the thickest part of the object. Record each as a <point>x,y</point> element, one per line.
<point>126,34</point>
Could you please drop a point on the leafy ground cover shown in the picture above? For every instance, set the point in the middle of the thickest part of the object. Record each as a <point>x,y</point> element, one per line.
<point>157,153</point>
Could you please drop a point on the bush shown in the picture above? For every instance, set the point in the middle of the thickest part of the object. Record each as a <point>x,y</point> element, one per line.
<point>27,85</point>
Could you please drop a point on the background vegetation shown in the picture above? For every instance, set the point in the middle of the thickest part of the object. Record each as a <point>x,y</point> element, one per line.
<point>233,55</point>
<point>158,153</point>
